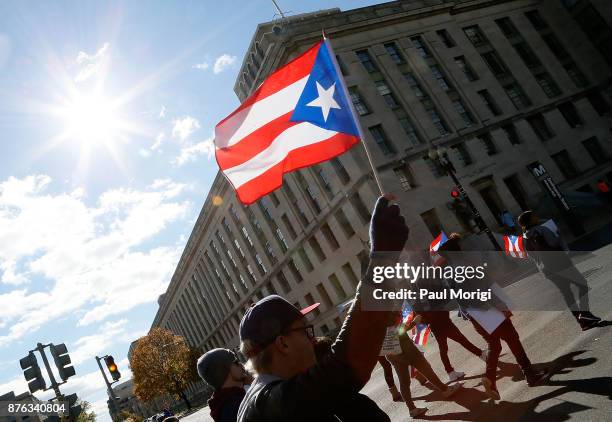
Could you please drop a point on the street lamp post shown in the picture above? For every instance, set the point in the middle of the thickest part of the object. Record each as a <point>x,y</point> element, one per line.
<point>440,156</point>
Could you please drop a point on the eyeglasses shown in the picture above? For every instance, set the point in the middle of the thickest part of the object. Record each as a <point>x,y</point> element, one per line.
<point>308,329</point>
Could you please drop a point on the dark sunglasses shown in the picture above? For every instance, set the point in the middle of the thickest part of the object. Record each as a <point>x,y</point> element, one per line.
<point>308,329</point>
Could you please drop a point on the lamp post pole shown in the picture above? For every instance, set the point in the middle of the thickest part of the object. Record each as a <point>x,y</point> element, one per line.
<point>440,155</point>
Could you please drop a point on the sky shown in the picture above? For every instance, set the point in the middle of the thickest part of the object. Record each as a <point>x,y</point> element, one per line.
<point>107,111</point>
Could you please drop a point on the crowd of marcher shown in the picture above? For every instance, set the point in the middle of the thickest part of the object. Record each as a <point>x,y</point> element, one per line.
<point>295,376</point>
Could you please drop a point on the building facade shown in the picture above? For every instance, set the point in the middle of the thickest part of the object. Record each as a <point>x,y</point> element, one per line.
<point>501,84</point>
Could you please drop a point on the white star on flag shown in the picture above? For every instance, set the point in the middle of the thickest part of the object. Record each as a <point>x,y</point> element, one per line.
<point>325,100</point>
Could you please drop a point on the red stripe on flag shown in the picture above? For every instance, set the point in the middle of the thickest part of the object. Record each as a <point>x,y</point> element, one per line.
<point>507,244</point>
<point>292,72</point>
<point>305,156</point>
<point>254,143</point>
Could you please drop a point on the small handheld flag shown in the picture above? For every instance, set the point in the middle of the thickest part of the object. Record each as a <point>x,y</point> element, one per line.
<point>301,115</point>
<point>437,242</point>
<point>420,334</point>
<point>513,245</point>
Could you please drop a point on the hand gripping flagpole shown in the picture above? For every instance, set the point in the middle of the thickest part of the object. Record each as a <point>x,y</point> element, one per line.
<point>350,103</point>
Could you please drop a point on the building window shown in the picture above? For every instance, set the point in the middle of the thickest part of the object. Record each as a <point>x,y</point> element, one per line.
<point>274,199</point>
<point>284,284</point>
<point>344,223</point>
<point>555,46</point>
<point>238,248</point>
<point>341,65</point>
<point>360,106</point>
<point>548,85</point>
<point>360,207</point>
<point>576,75</point>
<point>536,19</point>
<point>431,220</point>
<point>420,46</point>
<point>488,144</point>
<point>316,247</point>
<point>563,161</point>
<point>437,121</point>
<point>404,176</point>
<point>434,167</point>
<point>488,101</point>
<point>475,35</point>
<point>333,279</point>
<point>463,112</point>
<point>595,150</point>
<point>517,96</point>
<point>270,288</point>
<point>350,274</point>
<point>260,264</point>
<point>251,273</point>
<point>413,136</point>
<point>281,240</point>
<point>570,114</point>
<point>462,154</point>
<point>366,60</point>
<point>466,68</point>
<point>599,103</point>
<point>394,53</point>
<point>439,76</point>
<point>511,133</point>
<point>414,85</point>
<point>446,38</point>
<point>527,54</point>
<point>297,205</point>
<point>384,90</point>
<point>324,181</point>
<point>324,297</point>
<point>517,191</point>
<point>310,193</point>
<point>340,171</point>
<point>381,140</point>
<point>294,270</point>
<point>289,226</point>
<point>305,259</point>
<point>495,64</point>
<point>330,237</point>
<point>507,27</point>
<point>540,127</point>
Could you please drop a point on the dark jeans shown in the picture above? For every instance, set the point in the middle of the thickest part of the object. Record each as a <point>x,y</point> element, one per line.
<point>443,329</point>
<point>507,333</point>
<point>387,370</point>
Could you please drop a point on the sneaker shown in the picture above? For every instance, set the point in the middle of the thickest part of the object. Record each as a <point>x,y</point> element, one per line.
<point>588,317</point>
<point>536,378</point>
<point>490,389</point>
<point>484,355</point>
<point>588,324</point>
<point>415,412</point>
<point>455,375</point>
<point>452,389</point>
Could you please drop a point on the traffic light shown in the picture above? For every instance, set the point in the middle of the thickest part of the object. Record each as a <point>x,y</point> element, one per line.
<point>455,194</point>
<point>112,367</point>
<point>32,373</point>
<point>62,360</point>
<point>73,408</point>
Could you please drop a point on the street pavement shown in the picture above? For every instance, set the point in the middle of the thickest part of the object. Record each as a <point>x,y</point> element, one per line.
<point>580,387</point>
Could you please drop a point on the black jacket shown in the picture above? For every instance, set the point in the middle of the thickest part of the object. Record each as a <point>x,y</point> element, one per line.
<point>224,404</point>
<point>328,391</point>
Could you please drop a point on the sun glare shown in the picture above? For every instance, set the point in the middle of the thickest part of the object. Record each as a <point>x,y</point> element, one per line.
<point>90,119</point>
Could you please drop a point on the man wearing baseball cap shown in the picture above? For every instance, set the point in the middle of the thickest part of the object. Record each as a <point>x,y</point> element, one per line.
<point>223,371</point>
<point>276,337</point>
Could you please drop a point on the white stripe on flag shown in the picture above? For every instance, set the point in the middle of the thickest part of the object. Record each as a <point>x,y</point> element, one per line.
<point>257,115</point>
<point>294,137</point>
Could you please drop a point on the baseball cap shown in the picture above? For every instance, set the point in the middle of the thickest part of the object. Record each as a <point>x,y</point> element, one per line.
<point>214,366</point>
<point>268,318</point>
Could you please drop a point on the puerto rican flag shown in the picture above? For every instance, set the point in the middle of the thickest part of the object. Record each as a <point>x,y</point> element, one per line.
<point>436,258</point>
<point>420,334</point>
<point>513,246</point>
<point>301,115</point>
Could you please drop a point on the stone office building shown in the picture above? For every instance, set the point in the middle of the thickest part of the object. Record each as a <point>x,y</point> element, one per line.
<point>500,84</point>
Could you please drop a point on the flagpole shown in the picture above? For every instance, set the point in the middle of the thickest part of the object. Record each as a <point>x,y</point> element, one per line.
<point>350,103</point>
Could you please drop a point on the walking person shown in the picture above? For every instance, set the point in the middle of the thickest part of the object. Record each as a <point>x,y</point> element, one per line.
<point>549,252</point>
<point>290,384</point>
<point>494,310</point>
<point>222,370</point>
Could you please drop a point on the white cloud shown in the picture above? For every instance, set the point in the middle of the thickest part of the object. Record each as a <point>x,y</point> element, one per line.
<point>201,66</point>
<point>93,345</point>
<point>162,112</point>
<point>192,152</point>
<point>161,136</point>
<point>144,153</point>
<point>184,127</point>
<point>223,62</point>
<point>90,64</point>
<point>91,260</point>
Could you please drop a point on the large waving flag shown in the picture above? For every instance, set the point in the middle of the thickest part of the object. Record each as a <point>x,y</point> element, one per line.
<point>300,115</point>
<point>513,246</point>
